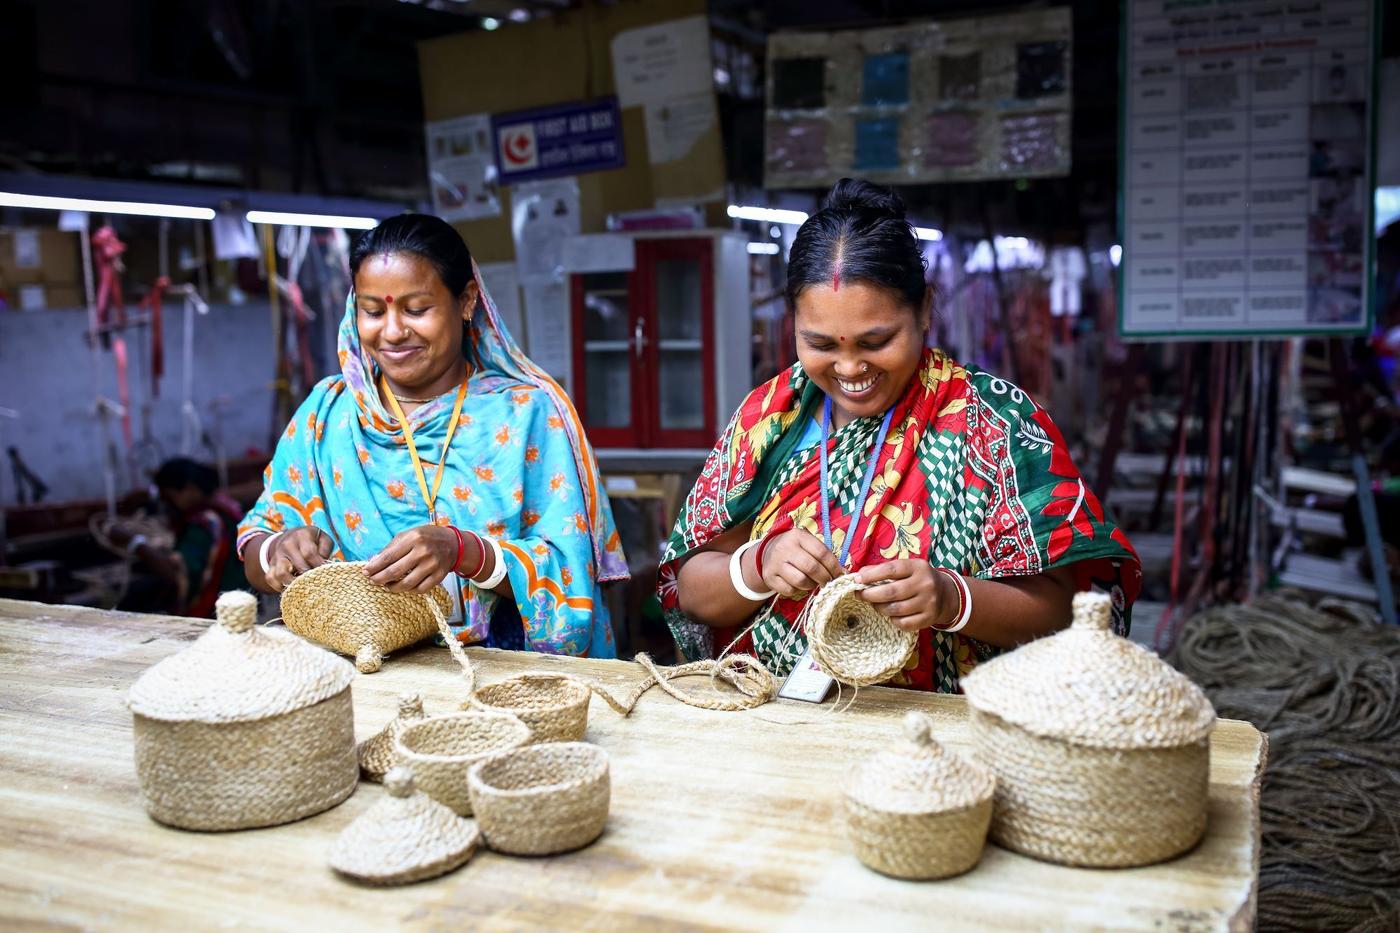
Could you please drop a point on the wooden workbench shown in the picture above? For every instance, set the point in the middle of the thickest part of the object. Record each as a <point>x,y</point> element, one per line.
<point>718,819</point>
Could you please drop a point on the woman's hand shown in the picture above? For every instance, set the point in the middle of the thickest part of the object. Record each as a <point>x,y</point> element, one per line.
<point>416,560</point>
<point>796,562</point>
<point>293,553</point>
<point>911,593</point>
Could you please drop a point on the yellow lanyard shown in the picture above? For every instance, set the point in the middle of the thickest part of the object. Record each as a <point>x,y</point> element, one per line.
<point>431,500</point>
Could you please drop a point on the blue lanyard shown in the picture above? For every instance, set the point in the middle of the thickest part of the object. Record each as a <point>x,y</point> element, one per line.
<point>864,485</point>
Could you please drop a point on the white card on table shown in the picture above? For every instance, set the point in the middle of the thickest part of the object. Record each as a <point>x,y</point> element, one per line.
<point>806,682</point>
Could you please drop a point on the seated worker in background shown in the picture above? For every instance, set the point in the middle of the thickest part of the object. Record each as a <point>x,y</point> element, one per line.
<point>191,575</point>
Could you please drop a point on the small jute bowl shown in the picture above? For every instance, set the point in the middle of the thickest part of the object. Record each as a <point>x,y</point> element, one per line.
<point>554,706</point>
<point>247,727</point>
<point>440,750</point>
<point>403,838</point>
<point>850,639</point>
<point>1100,749</point>
<point>918,811</point>
<point>336,605</point>
<point>542,799</point>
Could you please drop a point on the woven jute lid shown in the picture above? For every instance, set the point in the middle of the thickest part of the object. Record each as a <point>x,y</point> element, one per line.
<point>238,671</point>
<point>918,775</point>
<point>405,837</point>
<point>1087,686</point>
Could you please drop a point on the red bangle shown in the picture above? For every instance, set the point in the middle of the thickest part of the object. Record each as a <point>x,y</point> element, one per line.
<point>758,556</point>
<point>482,549</point>
<point>958,585</point>
<point>461,546</point>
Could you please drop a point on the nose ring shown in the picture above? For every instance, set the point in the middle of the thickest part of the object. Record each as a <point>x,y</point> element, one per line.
<point>865,367</point>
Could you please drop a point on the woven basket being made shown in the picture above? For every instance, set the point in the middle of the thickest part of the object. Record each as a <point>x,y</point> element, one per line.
<point>554,706</point>
<point>246,727</point>
<point>377,752</point>
<point>403,838</point>
<point>440,751</point>
<point>335,605</point>
<point>918,811</point>
<point>542,799</point>
<point>850,639</point>
<point>1100,749</point>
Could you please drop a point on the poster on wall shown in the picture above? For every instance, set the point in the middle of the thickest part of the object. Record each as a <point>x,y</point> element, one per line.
<point>1246,174</point>
<point>566,139</point>
<point>462,168</point>
<point>942,100</point>
<point>665,69</point>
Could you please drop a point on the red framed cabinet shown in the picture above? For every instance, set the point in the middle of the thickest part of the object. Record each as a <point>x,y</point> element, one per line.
<point>661,350</point>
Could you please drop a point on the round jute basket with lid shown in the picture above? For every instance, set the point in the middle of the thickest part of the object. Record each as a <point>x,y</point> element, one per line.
<point>1100,749</point>
<point>542,799</point>
<point>248,726</point>
<point>403,838</point>
<point>918,811</point>
<point>336,605</point>
<point>440,750</point>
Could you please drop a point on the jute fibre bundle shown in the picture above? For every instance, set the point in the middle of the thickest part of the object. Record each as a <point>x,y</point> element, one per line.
<point>336,605</point>
<point>1100,749</point>
<point>542,799</point>
<point>1324,682</point>
<point>403,838</point>
<point>248,726</point>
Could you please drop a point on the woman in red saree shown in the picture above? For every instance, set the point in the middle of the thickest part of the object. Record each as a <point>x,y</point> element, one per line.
<point>948,490</point>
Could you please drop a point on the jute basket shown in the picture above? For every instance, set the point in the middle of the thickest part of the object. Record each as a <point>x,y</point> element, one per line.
<point>918,811</point>
<point>542,799</point>
<point>336,605</point>
<point>440,751</point>
<point>554,706</point>
<point>1100,749</point>
<point>403,838</point>
<point>850,639</point>
<point>246,727</point>
<point>376,753</point>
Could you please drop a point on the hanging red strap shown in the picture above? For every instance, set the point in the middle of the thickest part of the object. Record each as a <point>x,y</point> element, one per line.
<point>152,302</point>
<point>107,249</point>
<point>123,386</point>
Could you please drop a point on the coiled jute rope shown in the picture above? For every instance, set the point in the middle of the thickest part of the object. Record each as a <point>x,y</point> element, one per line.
<point>1324,682</point>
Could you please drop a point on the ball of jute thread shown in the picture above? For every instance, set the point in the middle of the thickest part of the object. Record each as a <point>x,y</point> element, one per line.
<point>246,727</point>
<point>336,605</point>
<point>918,811</point>
<point>542,799</point>
<point>440,750</point>
<point>403,838</point>
<point>554,706</point>
<point>1100,749</point>
<point>850,639</point>
<point>376,753</point>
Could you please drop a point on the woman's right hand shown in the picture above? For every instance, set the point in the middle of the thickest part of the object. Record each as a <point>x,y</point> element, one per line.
<point>797,562</point>
<point>295,552</point>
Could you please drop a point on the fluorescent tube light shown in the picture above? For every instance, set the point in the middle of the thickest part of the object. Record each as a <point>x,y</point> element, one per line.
<point>138,208</point>
<point>928,233</point>
<point>764,249</point>
<point>311,220</point>
<point>768,215</point>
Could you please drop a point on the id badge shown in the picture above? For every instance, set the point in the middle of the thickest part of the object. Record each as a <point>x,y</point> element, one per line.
<point>806,682</point>
<point>453,584</point>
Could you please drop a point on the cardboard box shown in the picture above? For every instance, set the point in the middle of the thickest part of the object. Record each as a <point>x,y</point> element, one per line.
<point>39,256</point>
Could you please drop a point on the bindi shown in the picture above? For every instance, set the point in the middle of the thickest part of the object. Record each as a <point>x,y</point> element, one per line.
<point>842,339</point>
<point>388,299</point>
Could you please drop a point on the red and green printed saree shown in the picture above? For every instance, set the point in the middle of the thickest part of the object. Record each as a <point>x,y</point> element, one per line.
<point>973,475</point>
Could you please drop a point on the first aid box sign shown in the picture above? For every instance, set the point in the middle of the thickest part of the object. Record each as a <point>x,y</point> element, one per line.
<point>566,139</point>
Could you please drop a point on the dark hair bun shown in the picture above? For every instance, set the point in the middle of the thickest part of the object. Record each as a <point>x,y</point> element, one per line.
<point>857,194</point>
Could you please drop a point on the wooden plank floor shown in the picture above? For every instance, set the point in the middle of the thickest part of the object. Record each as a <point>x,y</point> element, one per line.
<point>718,819</point>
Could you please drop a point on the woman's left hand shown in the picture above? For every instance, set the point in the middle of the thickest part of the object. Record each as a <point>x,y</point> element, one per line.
<point>910,592</point>
<point>416,560</point>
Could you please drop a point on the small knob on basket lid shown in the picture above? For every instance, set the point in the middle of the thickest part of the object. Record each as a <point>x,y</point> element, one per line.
<point>237,611</point>
<point>919,730</point>
<point>398,781</point>
<point>1092,612</point>
<point>411,705</point>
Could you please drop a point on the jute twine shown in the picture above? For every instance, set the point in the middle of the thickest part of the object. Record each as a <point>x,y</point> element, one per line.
<point>246,727</point>
<point>336,605</point>
<point>542,799</point>
<point>440,750</point>
<point>1322,678</point>
<point>403,838</point>
<point>377,752</point>
<point>918,811</point>
<point>1100,749</point>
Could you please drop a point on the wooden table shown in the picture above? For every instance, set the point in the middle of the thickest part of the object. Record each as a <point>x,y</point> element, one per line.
<point>718,819</point>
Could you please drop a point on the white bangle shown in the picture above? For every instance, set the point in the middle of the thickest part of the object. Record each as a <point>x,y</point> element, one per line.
<point>498,570</point>
<point>736,574</point>
<point>965,596</point>
<point>262,552</point>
